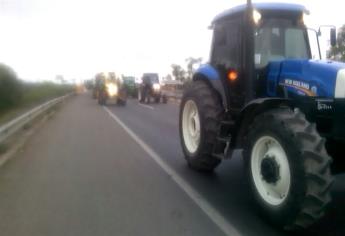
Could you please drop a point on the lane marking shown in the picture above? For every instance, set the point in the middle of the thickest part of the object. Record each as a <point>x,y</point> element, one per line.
<point>204,205</point>
<point>147,106</point>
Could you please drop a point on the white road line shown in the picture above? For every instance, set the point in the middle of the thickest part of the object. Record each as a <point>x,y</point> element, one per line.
<point>210,211</point>
<point>147,106</point>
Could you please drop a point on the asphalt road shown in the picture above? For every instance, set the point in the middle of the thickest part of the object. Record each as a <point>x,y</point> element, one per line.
<point>92,170</point>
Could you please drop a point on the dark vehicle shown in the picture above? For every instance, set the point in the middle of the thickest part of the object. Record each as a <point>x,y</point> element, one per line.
<point>111,90</point>
<point>130,86</point>
<point>150,88</point>
<point>94,93</point>
<point>97,85</point>
<point>262,93</point>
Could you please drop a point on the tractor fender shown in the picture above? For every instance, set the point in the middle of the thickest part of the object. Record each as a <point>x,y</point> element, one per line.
<point>210,75</point>
<point>252,110</point>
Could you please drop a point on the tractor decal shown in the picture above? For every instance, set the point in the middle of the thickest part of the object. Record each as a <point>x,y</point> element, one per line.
<point>303,87</point>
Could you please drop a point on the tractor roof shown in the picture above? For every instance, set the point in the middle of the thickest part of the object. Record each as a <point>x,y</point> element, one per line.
<point>261,6</point>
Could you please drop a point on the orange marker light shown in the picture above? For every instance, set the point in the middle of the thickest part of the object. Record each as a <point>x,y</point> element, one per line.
<point>232,75</point>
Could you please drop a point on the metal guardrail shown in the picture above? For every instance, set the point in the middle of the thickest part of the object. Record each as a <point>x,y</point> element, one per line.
<point>18,123</point>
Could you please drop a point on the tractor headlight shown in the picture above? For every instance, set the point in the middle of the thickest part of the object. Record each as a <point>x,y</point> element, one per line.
<point>256,16</point>
<point>340,85</point>
<point>156,87</point>
<point>112,89</point>
<point>306,20</point>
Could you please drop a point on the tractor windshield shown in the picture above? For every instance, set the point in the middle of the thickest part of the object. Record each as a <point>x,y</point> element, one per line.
<point>279,39</point>
<point>151,78</point>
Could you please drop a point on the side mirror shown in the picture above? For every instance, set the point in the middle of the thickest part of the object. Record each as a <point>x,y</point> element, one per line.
<point>333,37</point>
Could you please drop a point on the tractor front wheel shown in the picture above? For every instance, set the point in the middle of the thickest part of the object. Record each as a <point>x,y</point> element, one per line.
<point>288,168</point>
<point>199,123</point>
<point>101,99</point>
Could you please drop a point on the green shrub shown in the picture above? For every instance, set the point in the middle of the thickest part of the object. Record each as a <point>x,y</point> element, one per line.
<point>15,93</point>
<point>40,92</point>
<point>10,87</point>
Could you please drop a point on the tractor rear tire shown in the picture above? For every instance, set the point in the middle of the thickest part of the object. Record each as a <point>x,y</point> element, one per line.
<point>199,123</point>
<point>140,95</point>
<point>164,99</point>
<point>288,168</point>
<point>101,100</point>
<point>121,102</point>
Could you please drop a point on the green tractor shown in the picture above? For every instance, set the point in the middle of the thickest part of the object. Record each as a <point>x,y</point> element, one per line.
<point>130,86</point>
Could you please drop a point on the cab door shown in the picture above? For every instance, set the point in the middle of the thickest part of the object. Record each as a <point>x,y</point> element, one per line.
<point>226,56</point>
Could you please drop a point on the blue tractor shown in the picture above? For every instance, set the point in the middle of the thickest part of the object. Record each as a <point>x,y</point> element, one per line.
<point>263,94</point>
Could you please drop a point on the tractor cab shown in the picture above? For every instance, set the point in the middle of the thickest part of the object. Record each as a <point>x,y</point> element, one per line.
<point>275,32</point>
<point>277,39</point>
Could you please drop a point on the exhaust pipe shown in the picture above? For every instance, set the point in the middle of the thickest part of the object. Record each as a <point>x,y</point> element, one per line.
<point>249,53</point>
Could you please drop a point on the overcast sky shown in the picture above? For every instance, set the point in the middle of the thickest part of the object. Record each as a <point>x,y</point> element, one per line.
<point>77,38</point>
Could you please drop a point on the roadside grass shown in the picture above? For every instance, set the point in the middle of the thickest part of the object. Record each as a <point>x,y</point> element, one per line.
<point>3,148</point>
<point>32,95</point>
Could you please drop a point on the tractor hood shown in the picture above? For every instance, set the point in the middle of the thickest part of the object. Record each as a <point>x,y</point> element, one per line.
<point>315,78</point>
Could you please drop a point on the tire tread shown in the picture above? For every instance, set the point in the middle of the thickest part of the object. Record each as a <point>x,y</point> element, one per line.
<point>316,161</point>
<point>211,110</point>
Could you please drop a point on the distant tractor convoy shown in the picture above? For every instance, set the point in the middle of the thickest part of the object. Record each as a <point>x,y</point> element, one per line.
<point>108,87</point>
<point>262,93</point>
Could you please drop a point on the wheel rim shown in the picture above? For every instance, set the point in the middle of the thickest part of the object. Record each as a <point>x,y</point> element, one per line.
<point>270,170</point>
<point>191,126</point>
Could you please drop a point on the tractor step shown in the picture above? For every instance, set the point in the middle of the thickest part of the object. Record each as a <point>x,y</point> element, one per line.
<point>225,140</point>
<point>228,123</point>
<point>219,156</point>
<point>226,155</point>
<point>222,149</point>
<point>226,127</point>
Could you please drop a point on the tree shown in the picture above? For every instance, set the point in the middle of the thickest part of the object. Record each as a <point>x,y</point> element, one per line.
<point>168,77</point>
<point>10,87</point>
<point>338,52</point>
<point>89,84</point>
<point>60,79</point>
<point>178,72</point>
<point>191,63</point>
